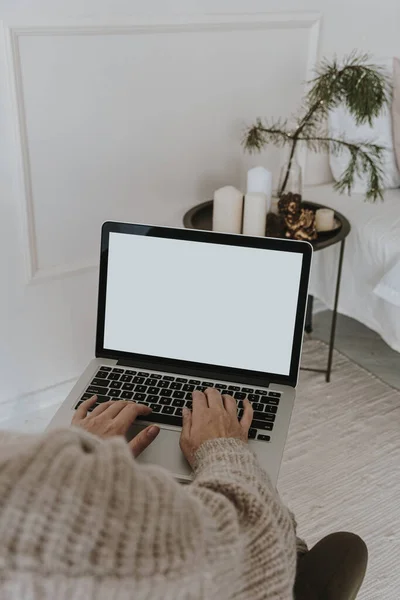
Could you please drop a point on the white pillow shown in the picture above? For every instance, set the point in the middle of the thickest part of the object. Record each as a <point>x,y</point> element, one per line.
<point>341,123</point>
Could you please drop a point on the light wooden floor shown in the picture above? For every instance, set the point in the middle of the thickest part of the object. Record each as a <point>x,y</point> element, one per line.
<point>361,345</point>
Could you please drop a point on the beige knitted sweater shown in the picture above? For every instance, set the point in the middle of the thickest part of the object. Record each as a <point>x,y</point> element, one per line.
<point>81,520</point>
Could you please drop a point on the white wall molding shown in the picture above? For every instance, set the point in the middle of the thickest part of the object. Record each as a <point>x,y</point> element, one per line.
<point>23,180</point>
<point>219,23</point>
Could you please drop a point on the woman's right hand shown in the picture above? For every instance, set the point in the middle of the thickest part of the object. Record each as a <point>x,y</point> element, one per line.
<point>212,416</point>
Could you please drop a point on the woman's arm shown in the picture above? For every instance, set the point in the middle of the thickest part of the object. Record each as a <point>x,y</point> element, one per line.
<point>252,524</point>
<point>77,507</point>
<point>78,510</point>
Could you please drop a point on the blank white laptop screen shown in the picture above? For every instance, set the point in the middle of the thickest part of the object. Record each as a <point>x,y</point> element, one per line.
<point>209,303</point>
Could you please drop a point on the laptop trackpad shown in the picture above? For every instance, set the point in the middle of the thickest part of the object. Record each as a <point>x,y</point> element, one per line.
<point>164,451</point>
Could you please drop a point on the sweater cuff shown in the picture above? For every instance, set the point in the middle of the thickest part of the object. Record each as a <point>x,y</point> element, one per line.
<point>223,450</point>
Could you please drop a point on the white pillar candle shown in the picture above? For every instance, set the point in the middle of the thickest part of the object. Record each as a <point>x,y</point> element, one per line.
<point>255,214</point>
<point>259,180</point>
<point>324,219</point>
<point>227,210</point>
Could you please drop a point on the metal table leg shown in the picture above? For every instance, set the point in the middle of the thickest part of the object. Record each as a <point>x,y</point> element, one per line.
<point>334,315</point>
<point>308,324</point>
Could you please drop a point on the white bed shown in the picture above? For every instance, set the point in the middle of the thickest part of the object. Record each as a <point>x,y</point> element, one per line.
<point>370,289</point>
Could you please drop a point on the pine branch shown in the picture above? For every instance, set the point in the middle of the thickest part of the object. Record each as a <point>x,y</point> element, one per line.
<point>365,88</point>
<point>259,136</point>
<point>365,157</point>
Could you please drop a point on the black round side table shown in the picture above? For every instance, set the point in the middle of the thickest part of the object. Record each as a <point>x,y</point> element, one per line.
<point>200,217</point>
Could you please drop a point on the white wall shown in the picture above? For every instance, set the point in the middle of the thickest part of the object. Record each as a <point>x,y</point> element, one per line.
<point>111,123</point>
<point>348,24</point>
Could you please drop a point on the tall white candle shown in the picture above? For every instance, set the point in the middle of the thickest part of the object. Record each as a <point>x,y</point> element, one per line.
<point>259,181</point>
<point>324,219</point>
<point>227,210</point>
<point>255,214</point>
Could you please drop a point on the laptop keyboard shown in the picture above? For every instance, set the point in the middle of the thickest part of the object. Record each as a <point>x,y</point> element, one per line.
<point>167,395</point>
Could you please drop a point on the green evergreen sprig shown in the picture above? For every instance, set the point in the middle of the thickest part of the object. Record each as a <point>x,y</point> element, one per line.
<point>365,89</point>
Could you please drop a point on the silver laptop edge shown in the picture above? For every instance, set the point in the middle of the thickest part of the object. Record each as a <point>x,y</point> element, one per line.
<point>165,451</point>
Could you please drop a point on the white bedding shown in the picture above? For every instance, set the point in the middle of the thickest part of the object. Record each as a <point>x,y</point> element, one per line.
<point>389,286</point>
<point>370,289</point>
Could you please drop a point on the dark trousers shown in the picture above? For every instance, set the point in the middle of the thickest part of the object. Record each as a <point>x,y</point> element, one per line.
<point>333,569</point>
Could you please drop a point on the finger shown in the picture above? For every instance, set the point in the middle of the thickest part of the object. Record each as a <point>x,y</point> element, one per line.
<point>101,408</point>
<point>82,410</point>
<point>247,415</point>
<point>114,408</point>
<point>230,404</point>
<point>126,416</point>
<point>199,401</point>
<point>186,422</point>
<point>214,398</point>
<point>143,439</point>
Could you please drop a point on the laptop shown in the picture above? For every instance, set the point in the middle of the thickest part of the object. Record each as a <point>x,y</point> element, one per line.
<point>182,310</point>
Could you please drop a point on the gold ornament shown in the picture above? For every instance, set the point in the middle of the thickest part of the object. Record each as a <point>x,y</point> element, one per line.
<point>299,222</point>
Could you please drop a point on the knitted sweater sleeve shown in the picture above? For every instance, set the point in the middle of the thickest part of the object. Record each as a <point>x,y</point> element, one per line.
<point>253,526</point>
<point>80,512</point>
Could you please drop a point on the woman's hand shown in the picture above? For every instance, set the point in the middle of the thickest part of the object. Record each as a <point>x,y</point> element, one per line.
<point>213,416</point>
<point>114,418</point>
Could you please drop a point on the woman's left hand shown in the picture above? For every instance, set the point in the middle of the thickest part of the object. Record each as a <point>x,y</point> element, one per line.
<point>114,418</point>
